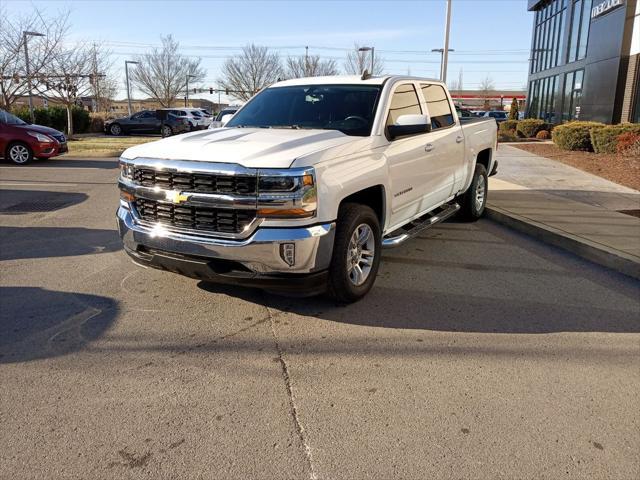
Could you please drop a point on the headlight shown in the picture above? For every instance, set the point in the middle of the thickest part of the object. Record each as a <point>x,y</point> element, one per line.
<point>287,193</point>
<point>126,170</point>
<point>40,137</point>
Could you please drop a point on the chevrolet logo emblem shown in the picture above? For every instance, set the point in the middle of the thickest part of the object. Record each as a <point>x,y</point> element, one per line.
<point>177,197</point>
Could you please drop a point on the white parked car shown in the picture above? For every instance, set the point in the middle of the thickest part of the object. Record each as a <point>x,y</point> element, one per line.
<point>217,123</point>
<point>304,186</point>
<point>192,116</point>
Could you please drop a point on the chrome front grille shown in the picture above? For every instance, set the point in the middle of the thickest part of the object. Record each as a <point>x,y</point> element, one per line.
<point>196,182</point>
<point>201,219</point>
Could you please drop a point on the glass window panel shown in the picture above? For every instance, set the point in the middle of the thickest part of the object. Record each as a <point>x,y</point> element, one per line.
<point>584,29</point>
<point>575,30</point>
<point>566,101</point>
<point>563,26</point>
<point>438,106</point>
<point>404,102</point>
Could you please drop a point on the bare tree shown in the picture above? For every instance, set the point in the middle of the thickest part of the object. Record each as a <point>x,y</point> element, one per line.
<point>358,60</point>
<point>13,71</point>
<point>71,80</point>
<point>487,86</point>
<point>309,66</point>
<point>255,69</point>
<point>162,74</point>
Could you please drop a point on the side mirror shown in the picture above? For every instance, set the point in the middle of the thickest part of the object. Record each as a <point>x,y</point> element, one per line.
<point>225,119</point>
<point>409,125</point>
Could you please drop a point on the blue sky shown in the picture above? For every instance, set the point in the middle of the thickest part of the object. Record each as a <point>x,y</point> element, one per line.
<point>491,38</point>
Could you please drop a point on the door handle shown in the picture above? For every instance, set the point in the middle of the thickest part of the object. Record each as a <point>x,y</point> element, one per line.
<point>429,147</point>
<point>459,139</point>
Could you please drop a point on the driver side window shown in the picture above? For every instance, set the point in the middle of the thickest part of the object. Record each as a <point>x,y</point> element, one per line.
<point>404,101</point>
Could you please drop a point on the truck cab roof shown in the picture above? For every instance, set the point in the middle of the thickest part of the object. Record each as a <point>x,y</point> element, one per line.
<point>350,80</point>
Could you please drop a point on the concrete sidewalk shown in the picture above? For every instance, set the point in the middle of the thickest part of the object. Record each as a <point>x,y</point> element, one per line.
<point>568,208</point>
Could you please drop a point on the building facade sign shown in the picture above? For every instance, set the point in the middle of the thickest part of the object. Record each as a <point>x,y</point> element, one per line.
<point>605,7</point>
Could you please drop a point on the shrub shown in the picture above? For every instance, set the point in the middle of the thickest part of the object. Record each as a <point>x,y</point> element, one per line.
<point>508,125</point>
<point>97,124</point>
<point>628,144</point>
<point>605,140</point>
<point>530,127</point>
<point>575,135</point>
<point>81,119</point>
<point>507,136</point>
<point>543,135</point>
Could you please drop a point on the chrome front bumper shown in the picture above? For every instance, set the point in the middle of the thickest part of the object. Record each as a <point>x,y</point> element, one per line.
<point>261,253</point>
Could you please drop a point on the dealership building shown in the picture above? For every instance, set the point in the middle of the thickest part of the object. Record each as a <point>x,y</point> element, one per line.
<point>585,61</point>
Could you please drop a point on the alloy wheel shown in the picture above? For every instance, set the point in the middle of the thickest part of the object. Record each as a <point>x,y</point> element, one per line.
<point>360,254</point>
<point>19,154</point>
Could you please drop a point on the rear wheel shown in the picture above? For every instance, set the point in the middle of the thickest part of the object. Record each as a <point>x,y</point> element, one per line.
<point>166,131</point>
<point>19,153</point>
<point>356,253</point>
<point>474,200</point>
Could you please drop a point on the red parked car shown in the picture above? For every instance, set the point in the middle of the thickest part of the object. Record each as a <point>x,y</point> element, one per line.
<point>21,141</point>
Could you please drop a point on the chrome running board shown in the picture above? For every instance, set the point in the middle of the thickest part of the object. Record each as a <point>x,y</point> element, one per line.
<point>412,229</point>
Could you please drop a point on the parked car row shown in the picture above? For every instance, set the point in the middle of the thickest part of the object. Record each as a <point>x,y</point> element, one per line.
<point>177,120</point>
<point>20,141</point>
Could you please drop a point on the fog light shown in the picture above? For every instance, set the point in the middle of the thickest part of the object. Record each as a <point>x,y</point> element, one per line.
<point>288,253</point>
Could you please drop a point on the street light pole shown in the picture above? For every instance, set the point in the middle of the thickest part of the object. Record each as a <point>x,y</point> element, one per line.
<point>372,50</point>
<point>25,36</point>
<point>445,54</point>
<point>442,67</point>
<point>126,74</point>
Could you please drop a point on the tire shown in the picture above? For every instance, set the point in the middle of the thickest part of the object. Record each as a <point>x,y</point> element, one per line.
<point>19,153</point>
<point>166,131</point>
<point>115,129</point>
<point>345,283</point>
<point>474,200</point>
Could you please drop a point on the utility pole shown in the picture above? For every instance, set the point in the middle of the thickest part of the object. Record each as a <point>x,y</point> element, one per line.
<point>25,36</point>
<point>186,97</point>
<point>126,74</point>
<point>445,54</point>
<point>95,86</point>
<point>306,61</point>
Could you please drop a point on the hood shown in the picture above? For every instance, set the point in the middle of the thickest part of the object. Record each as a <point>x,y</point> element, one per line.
<point>42,129</point>
<point>249,147</point>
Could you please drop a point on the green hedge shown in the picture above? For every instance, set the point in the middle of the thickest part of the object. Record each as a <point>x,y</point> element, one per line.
<point>605,140</point>
<point>56,117</point>
<point>575,135</point>
<point>508,125</point>
<point>530,127</point>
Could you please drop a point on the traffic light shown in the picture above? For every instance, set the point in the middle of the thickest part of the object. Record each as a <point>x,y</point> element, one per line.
<point>226,91</point>
<point>210,91</point>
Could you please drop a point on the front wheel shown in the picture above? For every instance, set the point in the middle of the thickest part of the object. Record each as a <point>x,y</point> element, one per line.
<point>356,253</point>
<point>167,131</point>
<point>115,129</point>
<point>19,153</point>
<point>474,200</point>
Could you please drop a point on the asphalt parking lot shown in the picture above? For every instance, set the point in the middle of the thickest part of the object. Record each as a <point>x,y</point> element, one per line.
<point>480,353</point>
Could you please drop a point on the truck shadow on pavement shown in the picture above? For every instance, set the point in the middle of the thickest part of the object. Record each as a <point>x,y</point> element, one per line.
<point>36,323</point>
<point>43,242</point>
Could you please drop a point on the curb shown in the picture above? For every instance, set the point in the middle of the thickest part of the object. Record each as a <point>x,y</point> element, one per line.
<point>592,251</point>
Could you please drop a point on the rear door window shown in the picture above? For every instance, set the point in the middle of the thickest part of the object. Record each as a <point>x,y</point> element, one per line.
<point>438,106</point>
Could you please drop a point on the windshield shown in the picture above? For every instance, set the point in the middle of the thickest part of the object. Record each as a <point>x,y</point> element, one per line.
<point>8,119</point>
<point>347,108</point>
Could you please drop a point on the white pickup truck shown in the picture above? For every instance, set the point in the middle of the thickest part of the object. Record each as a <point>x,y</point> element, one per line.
<point>306,184</point>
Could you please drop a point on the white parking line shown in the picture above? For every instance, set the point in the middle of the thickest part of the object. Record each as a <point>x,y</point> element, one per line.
<point>6,184</point>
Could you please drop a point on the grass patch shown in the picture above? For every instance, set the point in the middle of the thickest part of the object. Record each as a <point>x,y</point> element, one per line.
<point>104,146</point>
